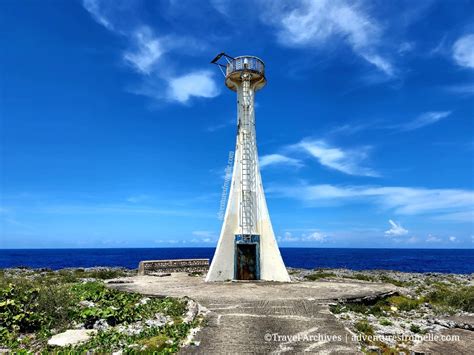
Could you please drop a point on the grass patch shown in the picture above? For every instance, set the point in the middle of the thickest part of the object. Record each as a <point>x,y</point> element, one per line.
<point>380,308</point>
<point>74,275</point>
<point>361,277</point>
<point>338,308</point>
<point>404,303</point>
<point>385,322</point>
<point>320,275</point>
<point>416,329</point>
<point>455,298</point>
<point>156,343</point>
<point>390,280</point>
<point>364,327</point>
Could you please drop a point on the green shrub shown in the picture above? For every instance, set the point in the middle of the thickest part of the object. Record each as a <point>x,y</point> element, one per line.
<point>458,298</point>
<point>385,322</point>
<point>33,304</point>
<point>28,306</point>
<point>118,307</point>
<point>361,277</point>
<point>319,275</point>
<point>105,274</point>
<point>364,327</point>
<point>337,308</point>
<point>404,303</point>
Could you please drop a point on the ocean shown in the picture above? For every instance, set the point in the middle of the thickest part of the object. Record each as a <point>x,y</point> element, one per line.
<point>459,261</point>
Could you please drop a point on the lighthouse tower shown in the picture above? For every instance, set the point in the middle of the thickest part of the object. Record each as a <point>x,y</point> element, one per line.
<point>247,249</point>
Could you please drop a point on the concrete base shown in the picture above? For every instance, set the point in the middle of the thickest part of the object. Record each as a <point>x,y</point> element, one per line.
<point>263,317</point>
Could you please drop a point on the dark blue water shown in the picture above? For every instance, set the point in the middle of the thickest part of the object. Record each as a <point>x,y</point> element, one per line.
<point>417,260</point>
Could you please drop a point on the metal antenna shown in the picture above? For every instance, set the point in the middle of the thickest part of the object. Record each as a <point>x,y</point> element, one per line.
<point>221,66</point>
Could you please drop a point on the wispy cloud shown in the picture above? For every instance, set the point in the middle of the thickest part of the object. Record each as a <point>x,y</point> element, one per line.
<point>315,236</point>
<point>318,23</point>
<point>401,200</point>
<point>204,237</point>
<point>94,8</point>
<point>406,47</point>
<point>433,239</point>
<point>204,234</point>
<point>396,229</point>
<point>461,216</point>
<point>147,50</point>
<point>346,161</point>
<point>463,89</point>
<point>197,84</point>
<point>463,51</point>
<point>279,159</point>
<point>425,119</point>
<point>350,128</point>
<point>146,55</point>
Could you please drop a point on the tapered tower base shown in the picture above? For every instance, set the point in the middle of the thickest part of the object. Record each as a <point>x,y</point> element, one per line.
<point>261,259</point>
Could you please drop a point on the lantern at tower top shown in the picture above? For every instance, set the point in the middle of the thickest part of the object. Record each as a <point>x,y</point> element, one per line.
<point>238,68</point>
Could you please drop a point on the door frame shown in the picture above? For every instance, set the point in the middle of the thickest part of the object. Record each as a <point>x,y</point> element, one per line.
<point>255,240</point>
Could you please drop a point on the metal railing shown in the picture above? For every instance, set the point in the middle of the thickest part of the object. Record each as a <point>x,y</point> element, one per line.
<point>245,63</point>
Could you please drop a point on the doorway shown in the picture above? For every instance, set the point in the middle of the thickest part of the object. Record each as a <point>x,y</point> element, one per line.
<point>246,259</point>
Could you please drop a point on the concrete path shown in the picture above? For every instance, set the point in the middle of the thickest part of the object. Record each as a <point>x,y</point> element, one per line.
<point>264,317</point>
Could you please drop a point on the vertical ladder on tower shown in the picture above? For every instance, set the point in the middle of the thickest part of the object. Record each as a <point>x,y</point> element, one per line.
<point>248,203</point>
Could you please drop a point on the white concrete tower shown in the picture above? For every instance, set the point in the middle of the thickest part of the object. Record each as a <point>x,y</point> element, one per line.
<point>247,249</point>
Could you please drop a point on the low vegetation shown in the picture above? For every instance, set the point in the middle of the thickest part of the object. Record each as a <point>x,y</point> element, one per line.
<point>450,299</point>
<point>36,305</point>
<point>385,322</point>
<point>320,275</point>
<point>383,307</point>
<point>364,327</point>
<point>361,276</point>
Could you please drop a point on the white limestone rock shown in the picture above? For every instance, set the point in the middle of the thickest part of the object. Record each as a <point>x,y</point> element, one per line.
<point>71,337</point>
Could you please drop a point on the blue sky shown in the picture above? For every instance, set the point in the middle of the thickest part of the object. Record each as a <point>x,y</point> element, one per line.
<point>116,130</point>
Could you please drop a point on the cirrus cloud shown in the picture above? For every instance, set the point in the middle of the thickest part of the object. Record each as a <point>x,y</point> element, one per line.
<point>457,205</point>
<point>463,51</point>
<point>316,23</point>
<point>146,56</point>
<point>278,159</point>
<point>396,229</point>
<point>348,161</point>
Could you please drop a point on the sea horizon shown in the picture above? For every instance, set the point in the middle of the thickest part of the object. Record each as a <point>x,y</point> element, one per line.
<point>459,261</point>
<point>201,247</point>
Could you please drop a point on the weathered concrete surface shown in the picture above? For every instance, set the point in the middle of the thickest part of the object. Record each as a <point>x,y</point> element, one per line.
<point>180,285</point>
<point>456,341</point>
<point>248,317</point>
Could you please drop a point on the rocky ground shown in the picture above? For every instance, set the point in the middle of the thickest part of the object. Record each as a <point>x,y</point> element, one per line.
<point>424,307</point>
<point>321,311</point>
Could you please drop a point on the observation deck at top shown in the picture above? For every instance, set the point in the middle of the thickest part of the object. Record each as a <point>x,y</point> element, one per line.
<point>236,67</point>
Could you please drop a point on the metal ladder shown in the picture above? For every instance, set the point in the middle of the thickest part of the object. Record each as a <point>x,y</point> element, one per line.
<point>247,133</point>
